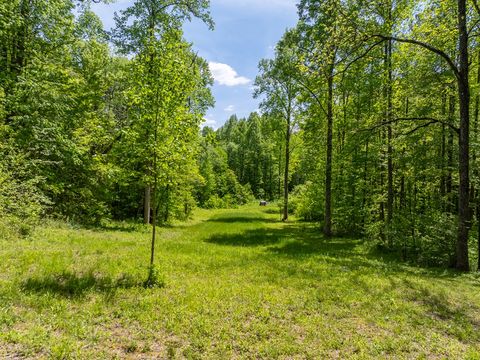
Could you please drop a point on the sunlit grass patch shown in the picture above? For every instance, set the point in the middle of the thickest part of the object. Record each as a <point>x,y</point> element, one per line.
<point>237,284</point>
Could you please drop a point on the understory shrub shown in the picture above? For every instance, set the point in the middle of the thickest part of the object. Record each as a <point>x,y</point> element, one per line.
<point>428,239</point>
<point>306,202</point>
<point>240,195</point>
<point>21,201</point>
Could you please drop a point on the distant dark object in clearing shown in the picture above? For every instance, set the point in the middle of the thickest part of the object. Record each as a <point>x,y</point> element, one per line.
<point>263,203</point>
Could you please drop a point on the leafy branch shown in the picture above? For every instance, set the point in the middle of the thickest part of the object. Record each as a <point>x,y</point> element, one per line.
<point>429,119</point>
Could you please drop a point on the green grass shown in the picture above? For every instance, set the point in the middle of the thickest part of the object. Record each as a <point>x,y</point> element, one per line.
<point>238,284</point>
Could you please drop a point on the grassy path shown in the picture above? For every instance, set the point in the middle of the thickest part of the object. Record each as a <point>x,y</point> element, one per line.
<point>239,284</point>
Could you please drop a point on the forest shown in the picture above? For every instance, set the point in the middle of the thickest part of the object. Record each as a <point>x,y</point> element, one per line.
<point>366,146</point>
<point>365,121</point>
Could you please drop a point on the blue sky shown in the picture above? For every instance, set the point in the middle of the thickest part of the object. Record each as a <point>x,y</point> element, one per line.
<point>245,32</point>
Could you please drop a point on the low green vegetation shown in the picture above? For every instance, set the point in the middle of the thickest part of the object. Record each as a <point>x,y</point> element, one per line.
<point>365,142</point>
<point>237,284</point>
<point>367,119</point>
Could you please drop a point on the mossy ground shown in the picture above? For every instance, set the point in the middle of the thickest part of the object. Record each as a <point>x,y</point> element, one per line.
<point>238,284</point>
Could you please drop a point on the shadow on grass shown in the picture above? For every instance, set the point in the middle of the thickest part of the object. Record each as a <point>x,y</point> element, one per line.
<point>118,227</point>
<point>259,237</point>
<point>305,241</point>
<point>438,307</point>
<point>437,302</point>
<point>241,219</point>
<point>353,263</point>
<point>352,254</point>
<point>275,211</point>
<point>290,240</point>
<point>301,240</point>
<point>134,227</point>
<point>72,285</point>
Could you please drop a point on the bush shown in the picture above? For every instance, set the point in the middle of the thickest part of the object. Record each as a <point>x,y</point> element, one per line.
<point>237,195</point>
<point>427,239</point>
<point>213,202</point>
<point>185,207</point>
<point>244,194</point>
<point>306,202</point>
<point>21,201</point>
<point>216,202</point>
<point>175,203</point>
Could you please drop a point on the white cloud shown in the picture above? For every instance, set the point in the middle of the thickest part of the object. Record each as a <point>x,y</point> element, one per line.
<point>229,108</point>
<point>225,75</point>
<point>209,121</point>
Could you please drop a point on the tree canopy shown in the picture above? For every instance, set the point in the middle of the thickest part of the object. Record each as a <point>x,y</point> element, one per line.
<point>368,123</point>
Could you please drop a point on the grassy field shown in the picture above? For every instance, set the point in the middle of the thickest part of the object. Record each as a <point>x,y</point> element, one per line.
<point>238,284</point>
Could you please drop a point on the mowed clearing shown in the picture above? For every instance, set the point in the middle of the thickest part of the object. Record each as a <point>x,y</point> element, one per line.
<point>238,284</point>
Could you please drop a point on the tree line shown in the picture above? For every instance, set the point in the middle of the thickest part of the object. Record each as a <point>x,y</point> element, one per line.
<point>381,94</point>
<point>368,123</point>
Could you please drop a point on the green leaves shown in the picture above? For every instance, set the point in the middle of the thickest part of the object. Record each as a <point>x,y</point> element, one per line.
<point>148,20</point>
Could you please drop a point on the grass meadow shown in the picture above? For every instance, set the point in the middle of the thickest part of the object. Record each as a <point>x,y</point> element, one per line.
<point>238,284</point>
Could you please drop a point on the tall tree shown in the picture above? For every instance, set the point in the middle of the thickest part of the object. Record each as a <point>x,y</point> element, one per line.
<point>460,70</point>
<point>140,25</point>
<point>150,29</point>
<point>277,83</point>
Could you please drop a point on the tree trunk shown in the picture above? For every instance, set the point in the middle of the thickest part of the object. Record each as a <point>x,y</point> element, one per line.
<point>167,204</point>
<point>403,193</point>
<point>285,177</point>
<point>146,205</point>
<point>477,173</point>
<point>478,234</point>
<point>462,262</point>
<point>327,228</point>
<point>450,165</point>
<point>270,183</point>
<point>280,170</point>
<point>154,223</point>
<point>442,167</point>
<point>389,137</point>
<point>365,180</point>
<point>150,279</point>
<point>443,144</point>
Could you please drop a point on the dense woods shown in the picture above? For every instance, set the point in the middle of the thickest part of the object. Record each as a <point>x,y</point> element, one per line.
<point>369,122</point>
